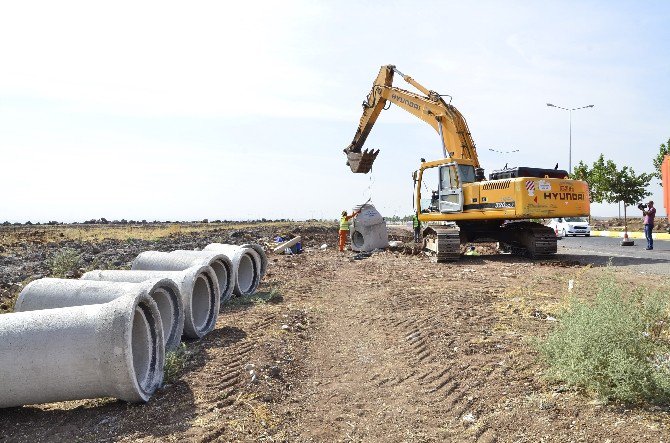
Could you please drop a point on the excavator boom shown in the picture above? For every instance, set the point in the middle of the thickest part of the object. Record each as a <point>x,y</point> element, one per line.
<point>430,107</point>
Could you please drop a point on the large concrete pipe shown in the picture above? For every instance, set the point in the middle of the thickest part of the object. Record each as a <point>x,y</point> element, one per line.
<point>164,261</point>
<point>369,231</point>
<point>50,293</point>
<point>222,265</point>
<point>247,264</point>
<point>198,288</point>
<point>113,349</point>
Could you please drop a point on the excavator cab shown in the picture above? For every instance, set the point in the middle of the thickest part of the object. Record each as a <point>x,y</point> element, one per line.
<point>447,177</point>
<point>450,191</point>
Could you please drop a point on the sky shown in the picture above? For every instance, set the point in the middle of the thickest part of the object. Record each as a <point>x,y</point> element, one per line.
<point>240,110</point>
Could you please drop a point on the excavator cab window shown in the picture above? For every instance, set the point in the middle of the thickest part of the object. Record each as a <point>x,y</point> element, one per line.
<point>450,192</point>
<point>466,173</point>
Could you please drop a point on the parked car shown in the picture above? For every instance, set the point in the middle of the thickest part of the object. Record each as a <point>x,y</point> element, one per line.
<point>567,226</point>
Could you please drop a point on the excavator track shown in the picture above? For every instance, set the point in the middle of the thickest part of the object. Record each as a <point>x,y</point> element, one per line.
<point>530,239</point>
<point>444,242</point>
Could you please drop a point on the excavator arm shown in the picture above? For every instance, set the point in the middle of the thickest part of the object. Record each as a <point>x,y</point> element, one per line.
<point>452,128</point>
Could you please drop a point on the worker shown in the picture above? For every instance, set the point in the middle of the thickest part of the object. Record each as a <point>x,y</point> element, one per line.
<point>344,227</point>
<point>416,224</point>
<point>649,213</point>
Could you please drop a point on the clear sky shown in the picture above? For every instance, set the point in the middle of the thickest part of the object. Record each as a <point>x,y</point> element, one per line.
<point>240,110</point>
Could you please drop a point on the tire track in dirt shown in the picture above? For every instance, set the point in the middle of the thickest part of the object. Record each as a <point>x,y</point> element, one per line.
<point>425,339</point>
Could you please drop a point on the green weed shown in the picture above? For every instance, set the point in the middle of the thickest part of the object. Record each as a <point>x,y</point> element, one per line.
<point>175,361</point>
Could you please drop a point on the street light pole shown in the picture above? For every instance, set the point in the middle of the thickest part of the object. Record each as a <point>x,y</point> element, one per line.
<point>570,113</point>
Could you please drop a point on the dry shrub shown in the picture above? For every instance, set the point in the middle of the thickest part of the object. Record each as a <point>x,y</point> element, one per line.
<point>64,263</point>
<point>615,346</point>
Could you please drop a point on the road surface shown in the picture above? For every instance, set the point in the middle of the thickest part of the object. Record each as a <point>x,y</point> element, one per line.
<point>600,250</point>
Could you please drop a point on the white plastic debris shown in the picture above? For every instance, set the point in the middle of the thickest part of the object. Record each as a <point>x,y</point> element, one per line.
<point>469,418</point>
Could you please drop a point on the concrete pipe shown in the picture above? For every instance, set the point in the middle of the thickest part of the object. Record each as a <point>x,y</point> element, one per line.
<point>220,263</point>
<point>247,264</point>
<point>113,349</point>
<point>197,286</point>
<point>369,231</point>
<point>164,261</point>
<point>50,293</point>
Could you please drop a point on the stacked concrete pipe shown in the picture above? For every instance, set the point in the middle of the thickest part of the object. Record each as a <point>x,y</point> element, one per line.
<point>198,288</point>
<point>226,279</point>
<point>180,260</point>
<point>50,293</point>
<point>248,266</point>
<point>113,349</point>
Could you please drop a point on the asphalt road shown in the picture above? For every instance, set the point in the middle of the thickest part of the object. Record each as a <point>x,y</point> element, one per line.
<point>600,250</point>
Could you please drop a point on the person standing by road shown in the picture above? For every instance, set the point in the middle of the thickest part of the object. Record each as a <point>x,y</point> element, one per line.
<point>416,224</point>
<point>649,213</point>
<point>344,227</point>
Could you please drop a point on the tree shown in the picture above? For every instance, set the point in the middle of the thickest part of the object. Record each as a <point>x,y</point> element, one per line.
<point>608,183</point>
<point>658,160</point>
<point>629,188</point>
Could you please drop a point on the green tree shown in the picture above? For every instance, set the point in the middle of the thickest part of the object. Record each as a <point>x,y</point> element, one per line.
<point>598,178</point>
<point>658,160</point>
<point>608,183</point>
<point>629,188</point>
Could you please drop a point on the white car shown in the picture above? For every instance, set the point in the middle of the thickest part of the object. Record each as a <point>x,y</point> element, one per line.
<point>567,226</point>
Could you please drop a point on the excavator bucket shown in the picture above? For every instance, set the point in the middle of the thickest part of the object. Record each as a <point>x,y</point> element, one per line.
<point>361,162</point>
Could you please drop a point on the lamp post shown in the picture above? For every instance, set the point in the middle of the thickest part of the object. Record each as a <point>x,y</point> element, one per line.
<point>570,111</point>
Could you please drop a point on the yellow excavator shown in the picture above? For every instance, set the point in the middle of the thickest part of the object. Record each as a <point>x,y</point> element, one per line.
<point>500,209</point>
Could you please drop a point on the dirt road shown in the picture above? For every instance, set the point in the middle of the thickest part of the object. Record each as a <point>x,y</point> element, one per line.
<point>391,348</point>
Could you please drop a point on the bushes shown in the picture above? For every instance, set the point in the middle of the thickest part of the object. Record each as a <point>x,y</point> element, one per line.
<point>615,346</point>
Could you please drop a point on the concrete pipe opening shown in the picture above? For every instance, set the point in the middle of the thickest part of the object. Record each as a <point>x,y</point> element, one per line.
<point>147,346</point>
<point>263,257</point>
<point>246,275</point>
<point>221,272</point>
<point>166,308</point>
<point>357,239</point>
<point>201,304</point>
<point>142,348</point>
<point>166,294</point>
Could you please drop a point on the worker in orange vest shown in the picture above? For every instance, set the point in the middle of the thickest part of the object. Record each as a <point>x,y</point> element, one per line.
<point>344,227</point>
